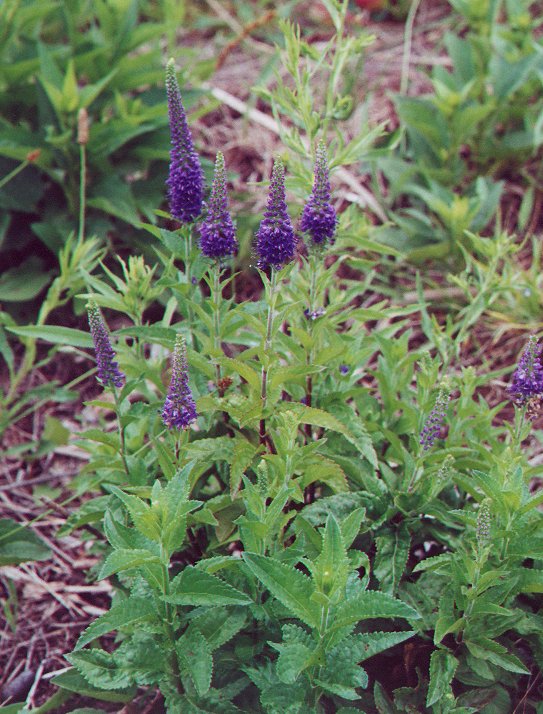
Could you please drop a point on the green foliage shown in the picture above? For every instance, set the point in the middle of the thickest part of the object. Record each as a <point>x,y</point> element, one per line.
<point>300,539</point>
<point>481,122</point>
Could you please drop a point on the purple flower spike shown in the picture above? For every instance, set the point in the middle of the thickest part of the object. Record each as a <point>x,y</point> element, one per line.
<point>109,374</point>
<point>319,217</point>
<point>527,380</point>
<point>275,239</point>
<point>186,179</point>
<point>218,235</point>
<point>179,408</point>
<point>432,426</point>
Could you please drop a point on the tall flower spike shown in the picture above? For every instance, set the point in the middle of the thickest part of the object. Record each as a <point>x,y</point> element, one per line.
<point>186,179</point>
<point>319,219</point>
<point>217,232</point>
<point>432,425</point>
<point>109,374</point>
<point>527,380</point>
<point>179,409</point>
<point>275,239</point>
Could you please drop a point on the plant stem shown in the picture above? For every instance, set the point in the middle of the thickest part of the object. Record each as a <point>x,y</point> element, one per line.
<point>17,170</point>
<point>122,449</point>
<point>82,191</point>
<point>216,298</point>
<point>272,296</point>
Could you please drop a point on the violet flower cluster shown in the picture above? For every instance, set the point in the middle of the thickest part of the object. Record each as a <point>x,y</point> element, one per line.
<point>319,219</point>
<point>432,426</point>
<point>275,239</point>
<point>179,409</point>
<point>527,380</point>
<point>186,179</point>
<point>109,374</point>
<point>217,232</point>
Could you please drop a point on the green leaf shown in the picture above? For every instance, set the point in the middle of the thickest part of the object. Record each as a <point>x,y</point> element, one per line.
<point>370,604</point>
<point>442,668</point>
<point>196,587</point>
<point>73,681</point>
<point>485,648</point>
<point>372,643</point>
<point>293,659</point>
<point>19,544</point>
<point>99,669</point>
<point>125,559</point>
<point>24,282</point>
<point>54,334</point>
<point>391,557</point>
<point>127,612</point>
<point>331,568</point>
<point>288,585</point>
<point>194,655</point>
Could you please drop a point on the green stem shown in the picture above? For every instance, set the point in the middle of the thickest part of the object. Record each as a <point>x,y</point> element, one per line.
<point>217,297</point>
<point>122,449</point>
<point>272,296</point>
<point>12,174</point>
<point>82,191</point>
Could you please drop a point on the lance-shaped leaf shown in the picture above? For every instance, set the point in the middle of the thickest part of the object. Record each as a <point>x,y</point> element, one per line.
<point>196,587</point>
<point>288,585</point>
<point>370,604</point>
<point>100,669</point>
<point>194,655</point>
<point>443,665</point>
<point>331,568</point>
<point>127,612</point>
<point>125,559</point>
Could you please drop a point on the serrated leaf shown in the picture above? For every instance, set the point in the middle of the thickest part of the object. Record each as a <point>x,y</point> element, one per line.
<point>372,643</point>
<point>293,659</point>
<point>195,656</point>
<point>331,568</point>
<point>218,625</point>
<point>391,557</point>
<point>197,587</point>
<point>127,612</point>
<point>370,604</point>
<point>125,559</point>
<point>291,587</point>
<point>74,681</point>
<point>99,669</point>
<point>443,665</point>
<point>488,649</point>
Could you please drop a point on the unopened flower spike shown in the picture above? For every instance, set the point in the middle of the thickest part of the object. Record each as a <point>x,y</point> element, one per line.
<point>319,219</point>
<point>432,425</point>
<point>186,179</point>
<point>109,374</point>
<point>275,239</point>
<point>527,381</point>
<point>217,232</point>
<point>179,409</point>
<point>484,524</point>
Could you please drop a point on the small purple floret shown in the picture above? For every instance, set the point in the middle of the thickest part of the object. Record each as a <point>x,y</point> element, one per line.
<point>319,219</point>
<point>527,380</point>
<point>275,239</point>
<point>109,374</point>
<point>217,232</point>
<point>186,179</point>
<point>432,426</point>
<point>179,409</point>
